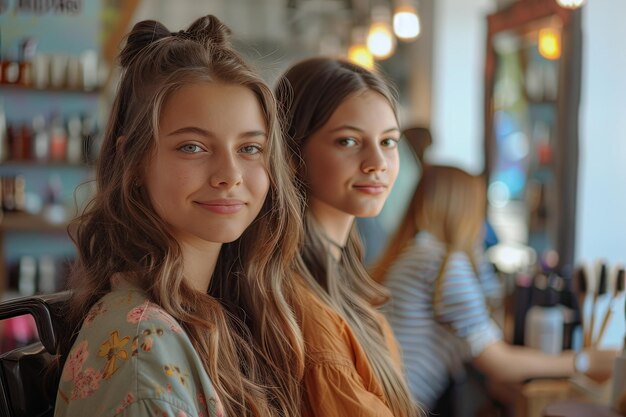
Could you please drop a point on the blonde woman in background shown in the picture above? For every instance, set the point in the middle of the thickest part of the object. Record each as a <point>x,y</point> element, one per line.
<point>343,136</point>
<point>440,291</point>
<point>182,288</point>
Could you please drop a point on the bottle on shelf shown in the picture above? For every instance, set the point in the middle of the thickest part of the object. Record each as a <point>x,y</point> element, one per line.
<point>1,61</point>
<point>544,320</point>
<point>58,70</point>
<point>522,303</point>
<point>41,139</point>
<point>58,140</point>
<point>47,280</point>
<point>27,142</point>
<point>74,140</point>
<point>41,71</point>
<point>54,211</point>
<point>13,193</point>
<point>10,70</point>
<point>15,141</point>
<point>4,145</point>
<point>90,75</point>
<point>27,279</point>
<point>27,48</point>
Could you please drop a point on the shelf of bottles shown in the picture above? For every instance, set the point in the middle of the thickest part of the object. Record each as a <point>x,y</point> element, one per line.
<point>42,162</point>
<point>49,139</point>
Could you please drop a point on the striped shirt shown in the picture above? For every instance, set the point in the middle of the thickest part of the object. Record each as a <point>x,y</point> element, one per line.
<point>436,340</point>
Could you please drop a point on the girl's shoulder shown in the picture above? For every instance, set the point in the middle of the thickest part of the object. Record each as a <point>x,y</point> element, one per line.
<point>130,352</point>
<point>129,308</point>
<point>313,310</point>
<point>324,330</point>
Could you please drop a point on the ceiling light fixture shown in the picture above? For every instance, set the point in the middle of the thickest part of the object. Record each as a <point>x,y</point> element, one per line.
<point>406,22</point>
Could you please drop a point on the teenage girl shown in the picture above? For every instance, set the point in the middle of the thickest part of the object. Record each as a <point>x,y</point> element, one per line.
<point>180,305</point>
<point>343,135</point>
<point>441,292</point>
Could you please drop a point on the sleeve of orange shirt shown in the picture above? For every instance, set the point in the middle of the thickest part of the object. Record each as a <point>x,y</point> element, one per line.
<point>335,389</point>
<point>338,379</point>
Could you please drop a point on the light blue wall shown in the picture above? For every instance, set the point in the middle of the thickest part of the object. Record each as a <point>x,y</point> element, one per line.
<point>601,223</point>
<point>601,218</point>
<point>458,77</point>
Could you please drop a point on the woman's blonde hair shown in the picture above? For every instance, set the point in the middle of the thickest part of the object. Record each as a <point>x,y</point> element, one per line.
<point>449,203</point>
<point>309,93</point>
<point>243,329</point>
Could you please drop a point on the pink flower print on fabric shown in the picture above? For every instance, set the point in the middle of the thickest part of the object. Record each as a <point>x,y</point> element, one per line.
<point>151,311</point>
<point>181,413</point>
<point>157,313</point>
<point>94,312</point>
<point>125,403</point>
<point>86,383</point>
<point>75,361</point>
<point>137,314</point>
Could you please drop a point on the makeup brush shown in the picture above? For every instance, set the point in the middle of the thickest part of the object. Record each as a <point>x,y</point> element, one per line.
<point>618,289</point>
<point>599,288</point>
<point>579,286</point>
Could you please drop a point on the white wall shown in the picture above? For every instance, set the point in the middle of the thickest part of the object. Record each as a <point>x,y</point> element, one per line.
<point>458,77</point>
<point>601,217</point>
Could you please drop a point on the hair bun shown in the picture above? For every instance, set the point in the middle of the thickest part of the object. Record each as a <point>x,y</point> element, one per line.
<point>209,30</point>
<point>142,35</point>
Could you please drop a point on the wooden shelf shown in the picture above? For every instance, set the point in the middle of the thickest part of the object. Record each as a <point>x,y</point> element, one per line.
<point>24,222</point>
<point>18,87</point>
<point>43,164</point>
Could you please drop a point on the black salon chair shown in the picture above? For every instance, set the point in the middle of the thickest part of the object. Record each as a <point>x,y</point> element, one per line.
<point>28,375</point>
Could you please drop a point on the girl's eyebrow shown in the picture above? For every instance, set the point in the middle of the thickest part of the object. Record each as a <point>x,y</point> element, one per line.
<point>254,133</point>
<point>350,127</point>
<point>208,134</point>
<point>192,129</point>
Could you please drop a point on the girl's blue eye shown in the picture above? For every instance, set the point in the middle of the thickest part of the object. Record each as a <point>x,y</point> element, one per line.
<point>251,149</point>
<point>389,143</point>
<point>190,148</point>
<point>347,142</point>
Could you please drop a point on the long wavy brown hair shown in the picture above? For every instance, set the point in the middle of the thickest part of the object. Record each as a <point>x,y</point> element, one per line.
<point>243,329</point>
<point>449,203</point>
<point>309,93</point>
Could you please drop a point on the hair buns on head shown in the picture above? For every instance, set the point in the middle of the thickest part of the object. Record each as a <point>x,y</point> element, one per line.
<point>207,30</point>
<point>142,35</point>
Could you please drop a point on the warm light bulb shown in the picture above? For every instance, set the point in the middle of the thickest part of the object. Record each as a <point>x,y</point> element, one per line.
<point>550,43</point>
<point>571,4</point>
<point>360,55</point>
<point>406,23</point>
<point>380,40</point>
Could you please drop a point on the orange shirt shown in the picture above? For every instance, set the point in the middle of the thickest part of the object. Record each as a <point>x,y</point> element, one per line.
<point>338,379</point>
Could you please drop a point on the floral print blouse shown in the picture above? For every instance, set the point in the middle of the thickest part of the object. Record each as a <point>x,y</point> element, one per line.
<point>131,358</point>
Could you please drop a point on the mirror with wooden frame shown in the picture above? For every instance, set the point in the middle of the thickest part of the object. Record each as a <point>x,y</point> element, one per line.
<point>532,95</point>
